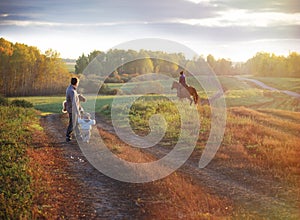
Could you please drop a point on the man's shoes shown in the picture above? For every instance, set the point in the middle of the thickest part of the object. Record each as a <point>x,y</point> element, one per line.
<point>68,139</point>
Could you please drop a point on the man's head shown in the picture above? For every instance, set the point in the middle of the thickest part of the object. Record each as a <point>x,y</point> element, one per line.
<point>74,81</point>
<point>181,73</point>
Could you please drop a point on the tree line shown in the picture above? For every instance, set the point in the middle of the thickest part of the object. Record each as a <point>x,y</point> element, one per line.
<point>25,71</point>
<point>131,63</point>
<point>262,64</point>
<point>266,64</point>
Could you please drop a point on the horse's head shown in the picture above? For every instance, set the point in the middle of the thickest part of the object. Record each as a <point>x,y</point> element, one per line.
<point>174,85</point>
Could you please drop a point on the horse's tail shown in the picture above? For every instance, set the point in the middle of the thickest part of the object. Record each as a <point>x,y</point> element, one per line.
<point>196,97</point>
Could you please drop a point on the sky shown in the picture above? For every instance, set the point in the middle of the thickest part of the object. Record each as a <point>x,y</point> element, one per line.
<point>231,29</point>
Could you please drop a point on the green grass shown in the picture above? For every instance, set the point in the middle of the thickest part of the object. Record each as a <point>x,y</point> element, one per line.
<point>246,97</point>
<point>45,104</point>
<point>16,193</point>
<point>53,104</point>
<point>138,115</point>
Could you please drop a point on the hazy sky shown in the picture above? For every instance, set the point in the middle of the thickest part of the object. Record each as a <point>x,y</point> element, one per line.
<point>234,29</point>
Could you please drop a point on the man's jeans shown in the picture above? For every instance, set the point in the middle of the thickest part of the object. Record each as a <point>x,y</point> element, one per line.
<point>73,125</point>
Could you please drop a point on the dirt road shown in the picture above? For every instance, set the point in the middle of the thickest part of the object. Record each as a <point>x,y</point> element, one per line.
<point>104,197</point>
<point>264,86</point>
<point>236,191</point>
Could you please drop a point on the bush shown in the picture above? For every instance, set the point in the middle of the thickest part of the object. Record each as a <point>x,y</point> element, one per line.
<point>3,101</point>
<point>22,103</point>
<point>105,90</point>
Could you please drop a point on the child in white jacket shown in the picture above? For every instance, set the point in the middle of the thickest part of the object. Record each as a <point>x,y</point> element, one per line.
<point>86,126</point>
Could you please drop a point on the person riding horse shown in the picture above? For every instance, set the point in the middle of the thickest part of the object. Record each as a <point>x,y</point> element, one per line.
<point>182,82</point>
<point>182,79</point>
<point>185,91</point>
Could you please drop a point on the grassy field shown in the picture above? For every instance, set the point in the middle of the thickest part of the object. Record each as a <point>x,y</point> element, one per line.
<point>45,104</point>
<point>53,104</point>
<point>237,93</point>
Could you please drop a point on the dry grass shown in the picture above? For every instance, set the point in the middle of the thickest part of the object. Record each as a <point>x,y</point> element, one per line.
<point>122,150</point>
<point>174,197</point>
<point>270,141</point>
<point>180,198</point>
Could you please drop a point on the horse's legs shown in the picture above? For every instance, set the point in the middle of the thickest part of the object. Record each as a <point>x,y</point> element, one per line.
<point>191,100</point>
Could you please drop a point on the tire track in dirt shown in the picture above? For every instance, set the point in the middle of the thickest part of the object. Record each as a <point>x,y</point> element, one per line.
<point>247,191</point>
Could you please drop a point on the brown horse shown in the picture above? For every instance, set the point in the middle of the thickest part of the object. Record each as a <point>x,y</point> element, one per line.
<point>183,92</point>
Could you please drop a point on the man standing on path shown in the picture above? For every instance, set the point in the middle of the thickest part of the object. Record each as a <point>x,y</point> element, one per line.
<point>72,108</point>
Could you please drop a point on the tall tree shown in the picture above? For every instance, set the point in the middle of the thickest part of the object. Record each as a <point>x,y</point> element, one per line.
<point>81,64</point>
<point>293,64</point>
<point>25,71</point>
<point>6,51</point>
<point>211,61</point>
